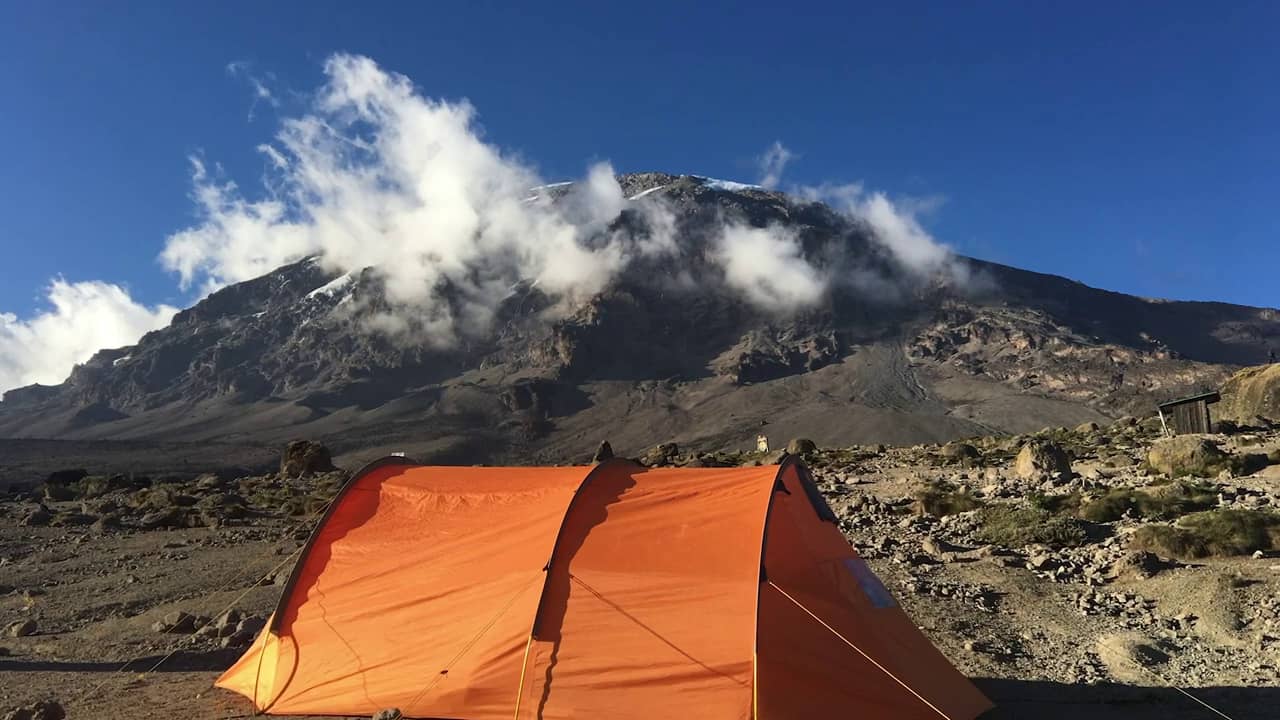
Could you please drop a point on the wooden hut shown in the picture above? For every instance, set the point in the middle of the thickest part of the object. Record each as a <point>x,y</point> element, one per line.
<point>1188,414</point>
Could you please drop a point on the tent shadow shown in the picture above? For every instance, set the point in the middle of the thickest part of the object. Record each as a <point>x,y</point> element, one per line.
<point>212,661</point>
<point>1046,700</point>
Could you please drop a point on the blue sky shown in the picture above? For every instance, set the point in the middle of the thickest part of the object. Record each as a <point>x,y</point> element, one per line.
<point>1134,148</point>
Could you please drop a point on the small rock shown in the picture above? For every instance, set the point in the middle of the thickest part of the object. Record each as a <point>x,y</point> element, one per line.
<point>230,618</point>
<point>1042,562</point>
<point>209,481</point>
<point>179,622</point>
<point>801,446</point>
<point>388,714</point>
<point>42,710</point>
<point>23,628</point>
<point>237,639</point>
<point>105,523</point>
<point>663,455</point>
<point>604,452</point>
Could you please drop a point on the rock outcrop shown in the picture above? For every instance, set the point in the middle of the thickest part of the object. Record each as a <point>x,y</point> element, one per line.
<point>1039,459</point>
<point>1250,394</point>
<point>1187,455</point>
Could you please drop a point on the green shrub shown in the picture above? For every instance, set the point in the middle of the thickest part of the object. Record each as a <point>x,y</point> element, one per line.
<point>1056,503</point>
<point>1217,532</point>
<point>941,498</point>
<point>1015,527</point>
<point>1164,502</point>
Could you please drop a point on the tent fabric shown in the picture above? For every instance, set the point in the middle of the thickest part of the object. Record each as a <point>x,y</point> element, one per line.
<point>617,591</point>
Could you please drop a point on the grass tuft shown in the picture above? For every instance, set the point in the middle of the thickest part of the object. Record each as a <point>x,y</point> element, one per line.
<point>940,498</point>
<point>1164,502</point>
<point>1213,533</point>
<point>1016,527</point>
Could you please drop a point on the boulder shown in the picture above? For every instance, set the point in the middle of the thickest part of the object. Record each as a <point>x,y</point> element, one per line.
<point>801,446</point>
<point>177,622</point>
<point>1139,564</point>
<point>1039,459</point>
<point>959,452</point>
<point>174,517</point>
<point>1252,393</point>
<point>38,517</point>
<point>604,452</point>
<point>66,477</point>
<point>388,714</point>
<point>1086,428</point>
<point>236,639</point>
<point>58,493</point>
<point>1187,455</point>
<point>105,523</point>
<point>304,457</point>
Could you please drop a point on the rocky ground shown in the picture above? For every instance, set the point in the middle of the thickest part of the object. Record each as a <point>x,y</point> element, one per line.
<point>1084,571</point>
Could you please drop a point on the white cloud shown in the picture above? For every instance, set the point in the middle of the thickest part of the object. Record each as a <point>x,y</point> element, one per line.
<point>767,267</point>
<point>261,93</point>
<point>895,225</point>
<point>378,175</point>
<point>772,163</point>
<point>83,318</point>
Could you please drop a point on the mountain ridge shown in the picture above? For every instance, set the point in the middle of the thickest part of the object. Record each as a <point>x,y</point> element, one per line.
<point>665,351</point>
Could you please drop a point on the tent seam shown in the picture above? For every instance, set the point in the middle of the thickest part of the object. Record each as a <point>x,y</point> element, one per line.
<point>755,630</point>
<point>546,569</point>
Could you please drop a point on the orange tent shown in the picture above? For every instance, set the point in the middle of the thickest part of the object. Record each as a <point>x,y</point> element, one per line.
<point>610,592</point>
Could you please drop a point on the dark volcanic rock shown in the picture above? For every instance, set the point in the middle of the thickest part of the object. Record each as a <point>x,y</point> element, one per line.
<point>303,457</point>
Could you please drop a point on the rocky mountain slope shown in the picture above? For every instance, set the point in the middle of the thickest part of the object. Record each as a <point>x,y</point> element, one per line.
<point>666,351</point>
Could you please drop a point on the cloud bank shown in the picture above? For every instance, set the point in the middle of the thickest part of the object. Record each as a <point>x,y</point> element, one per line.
<point>83,317</point>
<point>375,175</point>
